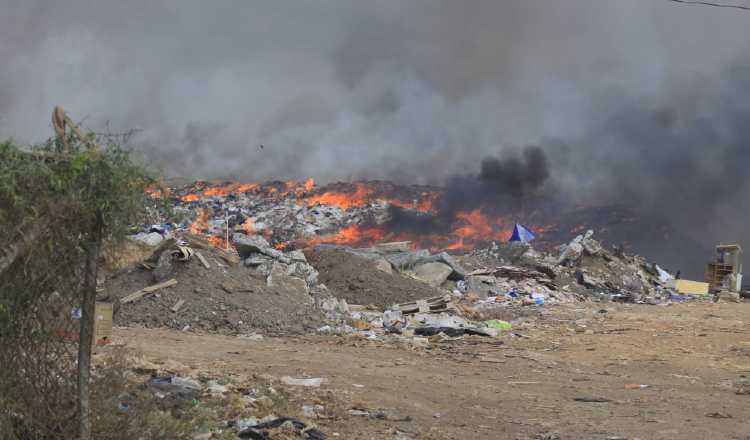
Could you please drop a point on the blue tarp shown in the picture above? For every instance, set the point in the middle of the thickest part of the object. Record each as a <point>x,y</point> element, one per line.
<point>522,233</point>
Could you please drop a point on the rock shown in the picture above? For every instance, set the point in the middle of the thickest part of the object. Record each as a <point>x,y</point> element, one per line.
<point>163,270</point>
<point>393,247</point>
<point>149,239</point>
<point>250,244</point>
<point>333,308</point>
<point>458,272</point>
<point>255,260</point>
<point>480,285</point>
<point>279,279</point>
<point>433,274</point>
<point>404,260</point>
<point>384,266</point>
<point>572,252</point>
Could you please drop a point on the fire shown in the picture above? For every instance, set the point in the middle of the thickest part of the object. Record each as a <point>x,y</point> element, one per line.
<point>309,184</point>
<point>351,235</point>
<point>475,227</point>
<point>424,204</point>
<point>154,193</point>
<point>343,200</point>
<point>200,223</point>
<point>215,241</point>
<point>249,227</point>
<point>221,191</point>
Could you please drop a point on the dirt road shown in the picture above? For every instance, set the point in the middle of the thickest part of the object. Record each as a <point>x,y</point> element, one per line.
<point>691,358</point>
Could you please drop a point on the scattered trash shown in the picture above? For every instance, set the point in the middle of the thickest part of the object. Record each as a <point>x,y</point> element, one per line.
<point>256,432</point>
<point>498,324</point>
<point>311,382</point>
<point>592,399</point>
<point>635,386</point>
<point>719,415</point>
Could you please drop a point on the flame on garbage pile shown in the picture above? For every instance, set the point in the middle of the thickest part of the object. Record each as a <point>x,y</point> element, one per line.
<point>453,231</point>
<point>200,224</point>
<point>221,191</point>
<point>344,200</point>
<point>353,235</point>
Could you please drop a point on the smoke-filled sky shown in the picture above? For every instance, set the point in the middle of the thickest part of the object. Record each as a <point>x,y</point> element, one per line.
<point>631,100</point>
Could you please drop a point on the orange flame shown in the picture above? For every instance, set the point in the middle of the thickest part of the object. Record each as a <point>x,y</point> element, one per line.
<point>221,191</point>
<point>351,235</point>
<point>309,184</point>
<point>200,223</point>
<point>249,227</point>
<point>343,200</point>
<point>476,227</point>
<point>424,204</point>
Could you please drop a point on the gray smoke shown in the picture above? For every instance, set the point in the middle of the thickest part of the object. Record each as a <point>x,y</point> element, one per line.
<point>636,101</point>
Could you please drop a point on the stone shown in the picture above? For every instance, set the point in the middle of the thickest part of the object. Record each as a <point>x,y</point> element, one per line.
<point>279,279</point>
<point>458,272</point>
<point>480,285</point>
<point>149,239</point>
<point>433,274</point>
<point>572,252</point>
<point>384,266</point>
<point>163,270</point>
<point>255,260</point>
<point>250,244</point>
<point>404,260</point>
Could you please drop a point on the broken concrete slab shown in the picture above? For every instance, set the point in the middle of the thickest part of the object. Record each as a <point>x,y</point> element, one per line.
<point>433,274</point>
<point>384,266</point>
<point>249,244</point>
<point>279,279</point>
<point>405,260</point>
<point>481,285</point>
<point>393,247</point>
<point>458,272</point>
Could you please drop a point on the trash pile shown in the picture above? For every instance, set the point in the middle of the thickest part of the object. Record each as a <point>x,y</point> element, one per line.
<point>231,268</point>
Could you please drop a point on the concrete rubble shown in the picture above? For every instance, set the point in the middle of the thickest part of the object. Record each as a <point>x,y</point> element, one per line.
<point>467,286</point>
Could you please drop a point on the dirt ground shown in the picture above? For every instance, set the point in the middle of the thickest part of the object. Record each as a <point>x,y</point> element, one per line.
<point>691,358</point>
<point>357,280</point>
<point>225,299</point>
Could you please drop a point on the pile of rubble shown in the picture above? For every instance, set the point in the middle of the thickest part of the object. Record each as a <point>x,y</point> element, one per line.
<point>249,274</point>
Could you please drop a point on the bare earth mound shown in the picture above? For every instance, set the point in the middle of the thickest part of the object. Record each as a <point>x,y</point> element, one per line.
<point>358,281</point>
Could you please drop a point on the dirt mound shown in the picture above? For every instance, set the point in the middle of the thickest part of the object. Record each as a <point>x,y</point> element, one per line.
<point>222,299</point>
<point>358,281</point>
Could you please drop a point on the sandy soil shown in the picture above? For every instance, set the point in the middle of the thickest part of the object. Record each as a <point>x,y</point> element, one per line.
<point>692,357</point>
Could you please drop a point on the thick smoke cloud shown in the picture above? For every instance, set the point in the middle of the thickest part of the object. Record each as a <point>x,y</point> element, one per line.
<point>643,102</point>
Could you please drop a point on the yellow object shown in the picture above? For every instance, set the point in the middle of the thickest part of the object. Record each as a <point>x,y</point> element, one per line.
<point>691,287</point>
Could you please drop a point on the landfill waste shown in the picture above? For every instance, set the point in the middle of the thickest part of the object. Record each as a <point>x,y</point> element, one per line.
<point>311,382</point>
<point>498,324</point>
<point>283,234</point>
<point>257,432</point>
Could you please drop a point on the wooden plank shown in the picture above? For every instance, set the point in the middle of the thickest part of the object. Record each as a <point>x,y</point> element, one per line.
<point>146,290</point>
<point>176,308</point>
<point>202,260</point>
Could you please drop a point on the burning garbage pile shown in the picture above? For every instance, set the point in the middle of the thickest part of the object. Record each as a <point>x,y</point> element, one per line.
<point>289,256</point>
<point>299,214</point>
